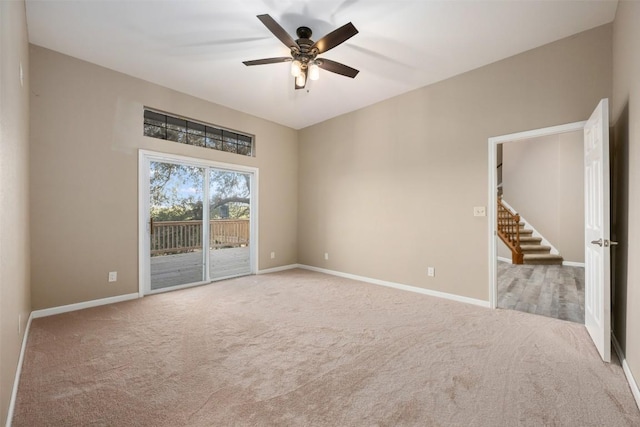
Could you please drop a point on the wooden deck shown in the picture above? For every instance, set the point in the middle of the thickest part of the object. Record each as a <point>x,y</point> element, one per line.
<point>180,269</point>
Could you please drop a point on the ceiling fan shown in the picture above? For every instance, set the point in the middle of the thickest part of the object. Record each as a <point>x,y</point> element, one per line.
<point>304,51</point>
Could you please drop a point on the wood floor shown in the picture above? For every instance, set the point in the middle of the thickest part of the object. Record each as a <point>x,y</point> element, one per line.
<point>549,290</point>
<point>180,269</point>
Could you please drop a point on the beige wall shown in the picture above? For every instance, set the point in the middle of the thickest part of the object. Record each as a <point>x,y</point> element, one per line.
<point>389,190</point>
<point>625,113</point>
<point>543,181</point>
<point>503,251</point>
<point>14,200</point>
<point>86,130</point>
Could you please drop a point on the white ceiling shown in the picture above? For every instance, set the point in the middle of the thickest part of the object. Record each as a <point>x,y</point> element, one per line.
<point>197,47</point>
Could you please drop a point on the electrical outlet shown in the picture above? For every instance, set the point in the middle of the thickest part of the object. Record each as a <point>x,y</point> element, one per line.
<point>113,276</point>
<point>326,256</point>
<point>273,255</point>
<point>431,272</point>
<point>479,211</point>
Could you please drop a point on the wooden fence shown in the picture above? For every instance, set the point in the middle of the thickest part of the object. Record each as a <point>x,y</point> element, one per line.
<point>172,237</point>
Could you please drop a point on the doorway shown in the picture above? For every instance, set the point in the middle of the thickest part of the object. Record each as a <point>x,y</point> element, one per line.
<point>597,241</point>
<point>493,194</point>
<point>197,221</point>
<point>543,183</point>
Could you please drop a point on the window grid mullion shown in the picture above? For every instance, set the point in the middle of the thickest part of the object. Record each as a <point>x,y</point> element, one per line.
<point>197,134</point>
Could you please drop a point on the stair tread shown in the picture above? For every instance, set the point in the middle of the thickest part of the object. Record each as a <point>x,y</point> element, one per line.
<point>526,233</point>
<point>542,256</point>
<point>535,249</point>
<point>542,259</point>
<point>530,239</point>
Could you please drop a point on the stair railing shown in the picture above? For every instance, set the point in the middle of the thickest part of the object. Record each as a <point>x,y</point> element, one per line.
<point>509,231</point>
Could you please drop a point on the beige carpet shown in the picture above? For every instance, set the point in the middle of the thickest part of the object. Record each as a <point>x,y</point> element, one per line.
<point>301,348</point>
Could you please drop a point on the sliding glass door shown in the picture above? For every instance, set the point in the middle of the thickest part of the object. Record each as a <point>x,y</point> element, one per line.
<point>229,218</point>
<point>198,222</point>
<point>177,227</point>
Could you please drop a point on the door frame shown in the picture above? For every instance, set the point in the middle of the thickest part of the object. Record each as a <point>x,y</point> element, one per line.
<point>493,197</point>
<point>145,157</point>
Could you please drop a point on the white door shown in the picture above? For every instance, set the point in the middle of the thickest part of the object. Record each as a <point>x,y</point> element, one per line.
<point>597,295</point>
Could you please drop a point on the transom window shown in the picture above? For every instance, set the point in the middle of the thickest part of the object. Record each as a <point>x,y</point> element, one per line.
<point>163,126</point>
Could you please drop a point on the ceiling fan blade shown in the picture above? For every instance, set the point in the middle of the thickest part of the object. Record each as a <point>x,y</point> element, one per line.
<point>278,31</point>
<point>335,37</point>
<point>267,61</point>
<point>338,68</point>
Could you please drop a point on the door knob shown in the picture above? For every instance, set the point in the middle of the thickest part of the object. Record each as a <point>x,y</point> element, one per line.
<point>606,243</point>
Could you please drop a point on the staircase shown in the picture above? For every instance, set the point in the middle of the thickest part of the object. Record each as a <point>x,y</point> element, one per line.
<point>525,248</point>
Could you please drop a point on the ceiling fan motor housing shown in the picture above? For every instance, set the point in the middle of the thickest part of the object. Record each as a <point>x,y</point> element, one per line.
<point>304,32</point>
<point>303,52</point>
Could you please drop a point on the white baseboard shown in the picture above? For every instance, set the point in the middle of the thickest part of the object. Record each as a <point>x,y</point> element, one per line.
<point>16,380</point>
<point>277,269</point>
<point>627,372</point>
<point>82,305</point>
<point>564,263</point>
<point>573,264</point>
<point>399,286</point>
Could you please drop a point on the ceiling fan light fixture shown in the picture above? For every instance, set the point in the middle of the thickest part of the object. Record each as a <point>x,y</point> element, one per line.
<point>301,80</point>
<point>296,68</point>
<point>314,71</point>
